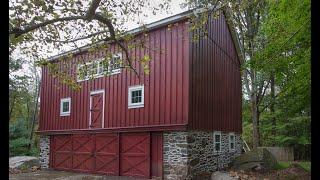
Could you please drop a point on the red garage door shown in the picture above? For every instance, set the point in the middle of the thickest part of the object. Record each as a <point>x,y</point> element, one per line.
<point>82,148</point>
<point>62,149</point>
<point>126,154</point>
<point>107,154</point>
<point>135,154</point>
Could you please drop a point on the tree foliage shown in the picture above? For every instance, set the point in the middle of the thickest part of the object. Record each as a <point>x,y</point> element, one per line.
<point>38,28</point>
<point>276,43</point>
<point>286,56</point>
<point>21,109</point>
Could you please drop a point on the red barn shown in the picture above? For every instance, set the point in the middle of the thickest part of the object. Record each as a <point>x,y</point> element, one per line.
<point>181,120</point>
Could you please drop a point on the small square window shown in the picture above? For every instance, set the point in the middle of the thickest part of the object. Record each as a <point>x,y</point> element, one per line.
<point>231,142</point>
<point>136,97</point>
<point>217,142</point>
<point>65,106</point>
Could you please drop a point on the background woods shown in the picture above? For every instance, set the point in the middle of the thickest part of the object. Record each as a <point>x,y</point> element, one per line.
<point>276,44</point>
<point>275,40</point>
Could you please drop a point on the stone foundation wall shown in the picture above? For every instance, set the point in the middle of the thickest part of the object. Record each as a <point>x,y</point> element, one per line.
<point>190,153</point>
<point>175,155</point>
<point>44,152</point>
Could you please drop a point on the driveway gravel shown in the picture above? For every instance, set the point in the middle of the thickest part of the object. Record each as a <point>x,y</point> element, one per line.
<point>62,175</point>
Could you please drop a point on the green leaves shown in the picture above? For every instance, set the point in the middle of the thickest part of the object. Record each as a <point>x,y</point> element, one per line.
<point>282,48</point>
<point>145,64</point>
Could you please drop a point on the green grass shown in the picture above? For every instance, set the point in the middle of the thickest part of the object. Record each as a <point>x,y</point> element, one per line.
<point>306,165</point>
<point>282,165</point>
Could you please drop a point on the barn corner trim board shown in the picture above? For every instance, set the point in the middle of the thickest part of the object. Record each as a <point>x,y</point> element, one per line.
<point>154,126</point>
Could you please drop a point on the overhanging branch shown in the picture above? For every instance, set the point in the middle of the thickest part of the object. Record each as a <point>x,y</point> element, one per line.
<point>19,31</point>
<point>92,9</point>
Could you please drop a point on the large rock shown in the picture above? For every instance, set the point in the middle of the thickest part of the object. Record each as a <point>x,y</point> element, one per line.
<point>23,162</point>
<point>257,159</point>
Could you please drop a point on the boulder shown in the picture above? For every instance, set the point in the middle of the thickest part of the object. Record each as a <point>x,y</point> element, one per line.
<point>218,175</point>
<point>23,162</point>
<point>258,159</point>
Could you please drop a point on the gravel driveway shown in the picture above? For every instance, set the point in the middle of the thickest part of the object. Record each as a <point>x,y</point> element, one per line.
<point>62,175</point>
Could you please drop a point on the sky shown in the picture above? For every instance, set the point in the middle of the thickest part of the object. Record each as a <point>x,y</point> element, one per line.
<point>175,8</point>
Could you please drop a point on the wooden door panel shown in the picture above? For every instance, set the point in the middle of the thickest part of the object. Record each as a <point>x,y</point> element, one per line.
<point>82,147</point>
<point>62,161</point>
<point>61,152</point>
<point>107,154</point>
<point>135,155</point>
<point>96,110</point>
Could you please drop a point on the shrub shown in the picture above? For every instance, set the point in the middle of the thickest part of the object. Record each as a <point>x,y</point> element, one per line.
<point>19,139</point>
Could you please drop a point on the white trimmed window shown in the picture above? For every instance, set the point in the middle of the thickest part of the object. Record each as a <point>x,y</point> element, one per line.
<point>115,62</point>
<point>136,97</point>
<point>65,106</point>
<point>217,142</point>
<point>231,142</point>
<point>99,68</point>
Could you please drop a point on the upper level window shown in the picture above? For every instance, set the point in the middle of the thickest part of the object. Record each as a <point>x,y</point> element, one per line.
<point>65,106</point>
<point>217,142</point>
<point>136,97</point>
<point>99,68</point>
<point>115,62</point>
<point>231,142</point>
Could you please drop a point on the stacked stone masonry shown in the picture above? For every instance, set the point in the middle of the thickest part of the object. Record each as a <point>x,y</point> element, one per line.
<point>44,152</point>
<point>190,153</point>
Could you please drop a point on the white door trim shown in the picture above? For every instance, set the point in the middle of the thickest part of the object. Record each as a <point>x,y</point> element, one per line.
<point>92,93</point>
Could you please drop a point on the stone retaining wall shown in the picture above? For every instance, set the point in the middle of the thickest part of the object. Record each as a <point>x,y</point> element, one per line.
<point>175,155</point>
<point>190,153</point>
<point>44,152</point>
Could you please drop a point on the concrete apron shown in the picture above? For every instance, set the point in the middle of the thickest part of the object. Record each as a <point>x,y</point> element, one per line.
<point>63,175</point>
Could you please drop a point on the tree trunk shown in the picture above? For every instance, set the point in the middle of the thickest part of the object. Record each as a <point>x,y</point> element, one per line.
<point>34,114</point>
<point>254,95</point>
<point>36,98</point>
<point>12,106</point>
<point>273,118</point>
<point>28,113</point>
<point>255,121</point>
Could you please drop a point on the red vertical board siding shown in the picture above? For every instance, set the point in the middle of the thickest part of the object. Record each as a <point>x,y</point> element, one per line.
<point>162,77</point>
<point>156,154</point>
<point>157,78</point>
<point>123,99</point>
<point>55,95</point>
<point>46,100</point>
<point>215,82</point>
<point>147,85</point>
<point>152,80</point>
<point>168,76</point>
<point>174,74</point>
<point>166,87</point>
<point>186,63</point>
<point>179,74</point>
